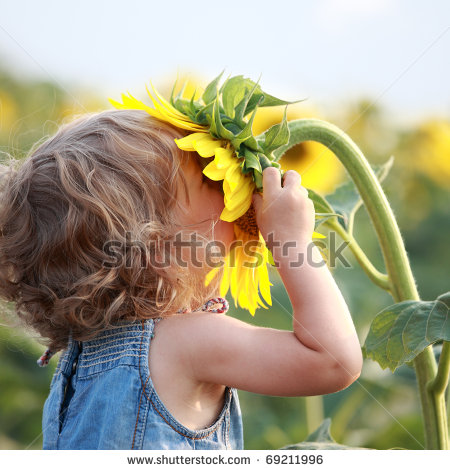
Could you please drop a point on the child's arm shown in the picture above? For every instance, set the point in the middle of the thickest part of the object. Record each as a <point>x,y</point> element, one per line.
<point>322,320</point>
<point>322,353</point>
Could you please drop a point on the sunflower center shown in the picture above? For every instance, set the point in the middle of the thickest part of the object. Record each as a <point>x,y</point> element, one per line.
<point>247,222</point>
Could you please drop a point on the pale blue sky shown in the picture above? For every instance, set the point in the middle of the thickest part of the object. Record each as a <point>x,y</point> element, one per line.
<point>396,52</point>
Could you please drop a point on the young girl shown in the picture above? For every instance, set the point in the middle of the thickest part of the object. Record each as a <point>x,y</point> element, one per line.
<point>88,226</point>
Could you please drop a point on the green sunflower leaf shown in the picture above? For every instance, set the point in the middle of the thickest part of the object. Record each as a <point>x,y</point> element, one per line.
<point>322,208</point>
<point>400,332</point>
<point>204,114</point>
<point>240,110</point>
<point>322,433</point>
<point>179,94</point>
<point>320,439</point>
<point>252,144</point>
<point>210,92</point>
<point>251,160</point>
<point>321,205</point>
<point>268,100</point>
<point>182,105</point>
<point>233,127</point>
<point>233,92</point>
<point>346,199</point>
<point>188,107</point>
<point>257,178</point>
<point>265,162</point>
<point>193,106</point>
<point>217,129</point>
<point>246,135</point>
<point>241,96</point>
<point>276,136</point>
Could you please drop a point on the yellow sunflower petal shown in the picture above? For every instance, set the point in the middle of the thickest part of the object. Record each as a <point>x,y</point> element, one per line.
<point>249,286</point>
<point>251,305</point>
<point>242,285</point>
<point>211,275</point>
<point>252,291</point>
<point>169,111</point>
<point>318,235</point>
<point>182,124</point>
<point>234,274</point>
<point>225,282</point>
<point>245,290</point>
<point>186,143</point>
<point>206,147</point>
<point>129,102</point>
<point>234,176</point>
<point>264,283</point>
<point>165,103</point>
<point>214,173</point>
<point>259,301</point>
<point>225,158</point>
<point>231,215</point>
<point>255,258</point>
<point>116,104</point>
<point>240,197</point>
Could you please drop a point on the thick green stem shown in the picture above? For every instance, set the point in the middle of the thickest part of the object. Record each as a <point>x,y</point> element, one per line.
<point>402,284</point>
<point>314,412</point>
<point>380,279</point>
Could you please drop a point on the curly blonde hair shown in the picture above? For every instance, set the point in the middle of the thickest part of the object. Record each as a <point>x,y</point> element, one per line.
<point>102,177</point>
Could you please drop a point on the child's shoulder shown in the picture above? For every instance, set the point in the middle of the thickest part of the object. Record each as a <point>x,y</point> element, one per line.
<point>196,324</point>
<point>194,403</point>
<point>186,334</point>
<point>175,336</point>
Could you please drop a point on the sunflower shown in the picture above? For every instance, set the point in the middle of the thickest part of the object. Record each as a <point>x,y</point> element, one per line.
<point>220,131</point>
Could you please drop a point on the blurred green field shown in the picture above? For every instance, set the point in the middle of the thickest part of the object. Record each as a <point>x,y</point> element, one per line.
<point>381,410</point>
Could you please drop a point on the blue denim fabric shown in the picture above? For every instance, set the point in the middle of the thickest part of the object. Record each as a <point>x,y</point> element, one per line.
<point>102,397</point>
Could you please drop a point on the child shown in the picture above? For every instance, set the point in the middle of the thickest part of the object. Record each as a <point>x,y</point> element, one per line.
<point>144,365</point>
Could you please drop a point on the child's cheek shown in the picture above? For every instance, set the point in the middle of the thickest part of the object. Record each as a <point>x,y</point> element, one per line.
<point>223,231</point>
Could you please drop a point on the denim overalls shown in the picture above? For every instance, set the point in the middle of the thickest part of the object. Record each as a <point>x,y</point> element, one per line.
<point>102,397</point>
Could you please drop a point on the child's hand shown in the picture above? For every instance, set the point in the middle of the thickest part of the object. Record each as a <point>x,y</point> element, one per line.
<point>286,211</point>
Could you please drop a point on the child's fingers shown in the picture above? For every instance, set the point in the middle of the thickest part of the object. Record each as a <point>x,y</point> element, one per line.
<point>291,179</point>
<point>271,181</point>
<point>257,202</point>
